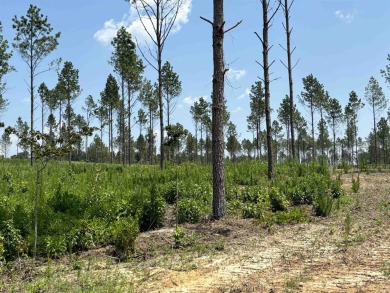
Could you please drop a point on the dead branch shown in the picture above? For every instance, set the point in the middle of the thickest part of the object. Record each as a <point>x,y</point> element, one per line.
<point>233,27</point>
<point>206,20</point>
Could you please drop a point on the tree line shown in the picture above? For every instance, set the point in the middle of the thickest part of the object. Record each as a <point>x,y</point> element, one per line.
<point>288,137</point>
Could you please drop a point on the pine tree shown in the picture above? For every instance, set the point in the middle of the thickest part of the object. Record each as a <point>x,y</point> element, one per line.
<point>5,68</point>
<point>33,42</point>
<point>376,99</point>
<point>110,99</point>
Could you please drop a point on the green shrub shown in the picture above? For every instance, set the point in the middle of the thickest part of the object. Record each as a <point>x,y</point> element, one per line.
<point>182,238</point>
<point>169,192</point>
<point>65,202</point>
<point>55,246</point>
<point>2,249</point>
<point>192,210</point>
<point>323,203</point>
<point>295,215</point>
<point>22,220</point>
<point>124,233</point>
<point>13,243</point>
<point>278,200</point>
<point>153,211</point>
<point>356,184</point>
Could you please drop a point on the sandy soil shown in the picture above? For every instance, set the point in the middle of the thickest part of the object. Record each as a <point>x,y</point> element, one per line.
<point>333,254</point>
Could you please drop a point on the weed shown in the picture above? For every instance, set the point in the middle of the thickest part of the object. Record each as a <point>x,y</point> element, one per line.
<point>386,269</point>
<point>347,226</point>
<point>356,184</point>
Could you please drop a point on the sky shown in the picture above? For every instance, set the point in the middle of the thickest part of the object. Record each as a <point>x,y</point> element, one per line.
<point>342,43</point>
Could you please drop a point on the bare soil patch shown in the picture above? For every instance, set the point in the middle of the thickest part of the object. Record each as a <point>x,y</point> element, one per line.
<point>332,254</point>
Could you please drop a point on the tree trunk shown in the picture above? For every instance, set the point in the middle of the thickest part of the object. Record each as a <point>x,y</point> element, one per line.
<point>122,119</point>
<point>68,131</point>
<point>312,132</point>
<point>290,80</point>
<point>32,102</point>
<point>267,89</point>
<point>334,143</point>
<point>129,157</point>
<point>218,107</point>
<point>375,140</point>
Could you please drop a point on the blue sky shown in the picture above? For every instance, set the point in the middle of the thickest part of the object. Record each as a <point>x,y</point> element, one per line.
<point>342,43</point>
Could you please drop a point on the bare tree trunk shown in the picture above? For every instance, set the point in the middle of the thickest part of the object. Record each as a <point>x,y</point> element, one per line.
<point>32,104</point>
<point>122,119</point>
<point>218,107</point>
<point>375,140</point>
<point>286,9</point>
<point>264,40</point>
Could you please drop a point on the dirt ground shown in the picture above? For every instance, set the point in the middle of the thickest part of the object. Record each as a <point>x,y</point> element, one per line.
<point>346,252</point>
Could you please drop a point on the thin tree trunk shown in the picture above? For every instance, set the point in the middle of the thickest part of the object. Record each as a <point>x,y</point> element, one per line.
<point>122,119</point>
<point>334,143</point>
<point>129,123</point>
<point>375,140</point>
<point>312,132</point>
<point>290,80</point>
<point>267,89</point>
<point>32,102</point>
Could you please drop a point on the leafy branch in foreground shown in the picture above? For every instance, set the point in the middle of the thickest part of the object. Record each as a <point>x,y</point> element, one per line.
<point>45,147</point>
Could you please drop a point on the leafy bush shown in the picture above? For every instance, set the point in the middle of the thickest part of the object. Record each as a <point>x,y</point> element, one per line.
<point>192,210</point>
<point>355,184</point>
<point>13,244</point>
<point>153,212</point>
<point>323,203</point>
<point>278,200</point>
<point>55,246</point>
<point>124,233</point>
<point>169,192</point>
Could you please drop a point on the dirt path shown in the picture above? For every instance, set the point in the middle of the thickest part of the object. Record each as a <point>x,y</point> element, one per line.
<point>328,255</point>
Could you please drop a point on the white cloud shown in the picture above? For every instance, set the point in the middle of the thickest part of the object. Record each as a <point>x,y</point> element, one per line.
<point>347,17</point>
<point>236,74</point>
<point>245,94</point>
<point>26,100</point>
<point>134,25</point>
<point>238,109</point>
<point>189,100</point>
